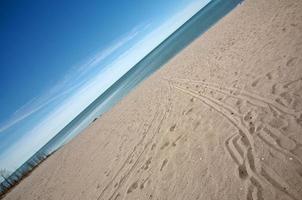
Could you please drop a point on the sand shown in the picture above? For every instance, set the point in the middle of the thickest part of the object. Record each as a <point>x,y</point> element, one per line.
<point>221,120</point>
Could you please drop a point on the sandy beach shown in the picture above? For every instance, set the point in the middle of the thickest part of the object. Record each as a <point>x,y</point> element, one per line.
<point>222,120</point>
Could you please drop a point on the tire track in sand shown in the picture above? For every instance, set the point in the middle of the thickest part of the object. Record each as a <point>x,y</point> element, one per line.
<point>235,92</point>
<point>267,129</point>
<point>256,179</point>
<point>247,168</point>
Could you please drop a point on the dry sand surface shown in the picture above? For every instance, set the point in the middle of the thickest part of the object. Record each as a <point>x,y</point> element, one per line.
<point>221,120</point>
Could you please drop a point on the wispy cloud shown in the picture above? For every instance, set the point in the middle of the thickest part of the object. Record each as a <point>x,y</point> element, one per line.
<point>72,80</point>
<point>111,49</point>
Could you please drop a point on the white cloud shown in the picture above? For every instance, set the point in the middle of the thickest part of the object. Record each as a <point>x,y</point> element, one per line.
<point>93,62</point>
<point>68,84</point>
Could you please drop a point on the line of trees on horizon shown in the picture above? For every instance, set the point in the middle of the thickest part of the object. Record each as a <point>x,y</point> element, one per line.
<point>4,174</point>
<point>9,179</point>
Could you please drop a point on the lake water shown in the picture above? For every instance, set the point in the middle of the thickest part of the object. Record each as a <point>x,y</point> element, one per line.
<point>192,29</point>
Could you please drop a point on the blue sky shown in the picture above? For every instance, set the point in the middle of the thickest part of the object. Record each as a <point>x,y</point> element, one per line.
<point>58,56</point>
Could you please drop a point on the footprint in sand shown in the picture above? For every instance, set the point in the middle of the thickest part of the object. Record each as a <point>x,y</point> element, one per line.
<point>143,184</point>
<point>291,61</point>
<point>248,116</point>
<point>165,145</point>
<point>147,164</point>
<point>174,143</point>
<point>242,172</point>
<point>299,120</point>
<point>172,128</point>
<point>189,111</point>
<point>255,83</point>
<point>153,146</point>
<point>251,128</point>
<point>163,164</point>
<point>132,187</point>
<point>196,125</point>
<point>269,76</point>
